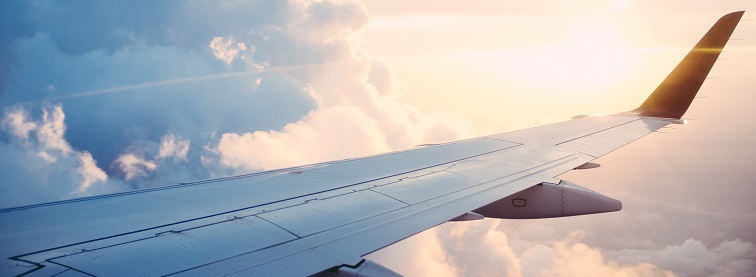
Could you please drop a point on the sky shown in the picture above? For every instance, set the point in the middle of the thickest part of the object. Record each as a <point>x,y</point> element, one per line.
<point>100,97</point>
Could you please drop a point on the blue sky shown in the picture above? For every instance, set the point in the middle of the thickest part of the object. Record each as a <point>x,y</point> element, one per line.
<point>100,97</point>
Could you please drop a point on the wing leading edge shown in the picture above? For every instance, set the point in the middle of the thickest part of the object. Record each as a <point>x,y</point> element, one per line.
<point>324,218</point>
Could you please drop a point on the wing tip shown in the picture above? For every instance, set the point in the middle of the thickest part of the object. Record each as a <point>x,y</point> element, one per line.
<point>672,98</point>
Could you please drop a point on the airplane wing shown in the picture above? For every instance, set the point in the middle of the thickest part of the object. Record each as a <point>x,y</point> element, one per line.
<point>324,218</point>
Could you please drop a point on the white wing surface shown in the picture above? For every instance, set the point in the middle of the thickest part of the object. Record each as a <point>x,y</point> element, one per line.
<point>323,218</point>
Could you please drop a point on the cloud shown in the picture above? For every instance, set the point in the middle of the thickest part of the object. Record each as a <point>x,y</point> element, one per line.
<point>133,166</point>
<point>89,172</point>
<point>226,50</point>
<point>329,21</point>
<point>139,93</point>
<point>351,133</point>
<point>422,255</point>
<point>693,258</point>
<point>354,96</point>
<point>493,255</point>
<point>50,131</point>
<point>571,258</point>
<point>479,249</point>
<point>16,122</point>
<point>38,164</point>
<point>172,146</point>
<point>149,104</point>
<point>359,120</point>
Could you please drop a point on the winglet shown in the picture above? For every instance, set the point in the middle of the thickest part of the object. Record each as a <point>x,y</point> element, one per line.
<point>673,96</point>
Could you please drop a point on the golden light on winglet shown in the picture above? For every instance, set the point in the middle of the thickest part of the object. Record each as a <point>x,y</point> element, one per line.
<point>673,96</point>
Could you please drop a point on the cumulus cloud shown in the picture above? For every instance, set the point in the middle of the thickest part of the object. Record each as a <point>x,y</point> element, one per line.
<point>136,96</point>
<point>422,255</point>
<point>479,249</point>
<point>226,49</point>
<point>330,21</point>
<point>16,122</point>
<point>89,172</point>
<point>693,258</point>
<point>50,132</point>
<point>355,100</point>
<point>39,164</point>
<point>350,133</point>
<point>133,166</point>
<point>172,146</point>
<point>493,255</point>
<point>572,258</point>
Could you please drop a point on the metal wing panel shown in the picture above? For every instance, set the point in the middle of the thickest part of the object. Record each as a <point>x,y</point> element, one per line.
<point>314,226</point>
<point>431,184</point>
<point>545,162</point>
<point>171,251</point>
<point>51,230</point>
<point>601,143</point>
<point>324,215</point>
<point>562,131</point>
<point>349,242</point>
<point>83,219</point>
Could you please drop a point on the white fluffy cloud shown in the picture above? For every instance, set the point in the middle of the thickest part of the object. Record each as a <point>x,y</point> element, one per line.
<point>349,132</point>
<point>50,132</point>
<point>16,122</point>
<point>421,255</point>
<point>39,154</point>
<point>137,96</point>
<point>329,21</point>
<point>694,258</point>
<point>227,49</point>
<point>479,249</point>
<point>89,172</point>
<point>133,166</point>
<point>572,258</point>
<point>173,146</point>
<point>357,111</point>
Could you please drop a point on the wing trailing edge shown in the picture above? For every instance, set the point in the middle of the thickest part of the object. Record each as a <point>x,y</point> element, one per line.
<point>674,95</point>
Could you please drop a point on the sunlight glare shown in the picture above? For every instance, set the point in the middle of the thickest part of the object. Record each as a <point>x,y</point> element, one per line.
<point>619,5</point>
<point>592,56</point>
